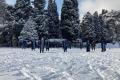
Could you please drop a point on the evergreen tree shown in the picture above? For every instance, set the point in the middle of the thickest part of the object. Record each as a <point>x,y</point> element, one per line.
<point>29,31</point>
<point>2,11</point>
<point>53,20</point>
<point>23,9</point>
<point>97,27</point>
<point>109,19</point>
<point>104,37</point>
<point>77,28</point>
<point>41,17</point>
<point>9,14</point>
<point>70,19</point>
<point>88,31</point>
<point>43,28</point>
<point>112,22</point>
<point>117,22</point>
<point>7,31</point>
<point>118,32</point>
<point>101,30</point>
<point>22,12</point>
<point>39,6</point>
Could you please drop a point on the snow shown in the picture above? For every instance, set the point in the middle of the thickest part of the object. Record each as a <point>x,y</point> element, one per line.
<point>76,64</point>
<point>56,40</point>
<point>109,45</point>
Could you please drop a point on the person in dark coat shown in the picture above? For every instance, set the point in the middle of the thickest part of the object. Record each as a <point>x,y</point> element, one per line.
<point>103,46</point>
<point>42,45</point>
<point>93,45</point>
<point>47,45</point>
<point>88,46</point>
<point>33,44</point>
<point>81,43</point>
<point>37,44</point>
<point>69,44</point>
<point>23,43</point>
<point>65,45</point>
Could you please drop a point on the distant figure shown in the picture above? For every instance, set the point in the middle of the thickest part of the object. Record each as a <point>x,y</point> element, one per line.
<point>23,44</point>
<point>93,45</point>
<point>42,45</point>
<point>33,44</point>
<point>81,43</point>
<point>65,45</point>
<point>88,46</point>
<point>103,46</point>
<point>69,44</point>
<point>37,44</point>
<point>47,45</point>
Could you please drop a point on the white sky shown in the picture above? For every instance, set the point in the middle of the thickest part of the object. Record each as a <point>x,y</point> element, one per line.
<point>90,5</point>
<point>98,5</point>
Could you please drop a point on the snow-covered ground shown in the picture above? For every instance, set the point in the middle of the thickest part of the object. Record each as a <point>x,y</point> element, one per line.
<point>76,64</point>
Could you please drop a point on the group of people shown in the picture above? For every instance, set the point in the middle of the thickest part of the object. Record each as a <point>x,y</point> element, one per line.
<point>92,45</point>
<point>42,44</point>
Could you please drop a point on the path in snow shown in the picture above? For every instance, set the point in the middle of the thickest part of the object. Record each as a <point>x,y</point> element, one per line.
<point>76,64</point>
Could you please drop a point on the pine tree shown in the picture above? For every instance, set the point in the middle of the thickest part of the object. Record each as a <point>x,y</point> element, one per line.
<point>2,11</point>
<point>104,30</point>
<point>41,18</point>
<point>23,9</point>
<point>21,14</point>
<point>70,19</point>
<point>53,20</point>
<point>43,26</point>
<point>9,14</point>
<point>29,31</point>
<point>102,33</point>
<point>88,32</point>
<point>110,22</point>
<point>39,6</point>
<point>104,37</point>
<point>118,31</point>
<point>117,26</point>
<point>7,32</point>
<point>97,27</point>
<point>77,28</point>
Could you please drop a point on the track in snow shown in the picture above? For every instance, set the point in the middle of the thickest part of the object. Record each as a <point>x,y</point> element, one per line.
<point>76,64</point>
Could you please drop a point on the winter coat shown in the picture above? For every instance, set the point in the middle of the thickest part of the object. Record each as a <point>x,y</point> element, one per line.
<point>42,43</point>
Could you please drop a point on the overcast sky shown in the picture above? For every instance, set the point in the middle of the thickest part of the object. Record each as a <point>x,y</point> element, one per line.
<point>88,5</point>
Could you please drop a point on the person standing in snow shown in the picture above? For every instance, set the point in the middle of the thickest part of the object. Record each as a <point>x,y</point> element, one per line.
<point>47,45</point>
<point>81,43</point>
<point>103,46</point>
<point>42,45</point>
<point>93,45</point>
<point>37,44</point>
<point>65,45</point>
<point>88,46</point>
<point>69,44</point>
<point>33,44</point>
<point>23,44</point>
